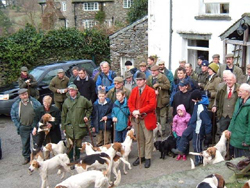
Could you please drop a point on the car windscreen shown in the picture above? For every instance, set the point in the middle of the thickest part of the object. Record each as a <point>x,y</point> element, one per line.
<point>37,73</point>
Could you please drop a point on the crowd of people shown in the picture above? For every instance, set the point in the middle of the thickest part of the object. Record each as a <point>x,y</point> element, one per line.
<point>206,101</point>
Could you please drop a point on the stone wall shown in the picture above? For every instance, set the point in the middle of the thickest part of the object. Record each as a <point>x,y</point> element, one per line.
<point>130,42</point>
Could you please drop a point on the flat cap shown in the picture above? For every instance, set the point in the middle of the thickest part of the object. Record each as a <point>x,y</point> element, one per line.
<point>216,56</point>
<point>72,86</point>
<point>229,55</point>
<point>161,62</point>
<point>143,64</point>
<point>21,91</point>
<point>128,74</point>
<point>24,69</point>
<point>118,79</point>
<point>140,76</point>
<point>60,70</point>
<point>154,68</point>
<point>201,57</point>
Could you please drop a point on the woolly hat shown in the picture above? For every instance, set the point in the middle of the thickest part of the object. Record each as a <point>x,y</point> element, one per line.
<point>127,63</point>
<point>72,86</point>
<point>214,67</point>
<point>196,94</point>
<point>140,75</point>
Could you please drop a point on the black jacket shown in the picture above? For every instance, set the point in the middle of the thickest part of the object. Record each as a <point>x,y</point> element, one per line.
<point>185,99</point>
<point>86,88</point>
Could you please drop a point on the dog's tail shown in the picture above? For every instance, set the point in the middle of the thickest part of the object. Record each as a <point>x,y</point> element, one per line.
<point>192,163</point>
<point>195,153</point>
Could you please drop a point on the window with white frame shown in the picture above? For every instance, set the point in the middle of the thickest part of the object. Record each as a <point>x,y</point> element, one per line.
<point>91,6</point>
<point>88,24</point>
<point>127,3</point>
<point>196,48</point>
<point>64,8</point>
<point>215,7</point>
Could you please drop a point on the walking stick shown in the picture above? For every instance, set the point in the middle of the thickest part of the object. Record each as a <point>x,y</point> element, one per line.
<point>105,127</point>
<point>138,139</point>
<point>90,134</point>
<point>114,132</point>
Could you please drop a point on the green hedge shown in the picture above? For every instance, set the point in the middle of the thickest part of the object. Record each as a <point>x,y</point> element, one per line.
<point>30,48</point>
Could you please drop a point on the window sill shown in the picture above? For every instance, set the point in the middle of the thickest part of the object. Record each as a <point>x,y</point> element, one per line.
<point>213,17</point>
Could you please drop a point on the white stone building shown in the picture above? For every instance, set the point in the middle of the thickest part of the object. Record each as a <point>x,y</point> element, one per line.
<point>196,26</point>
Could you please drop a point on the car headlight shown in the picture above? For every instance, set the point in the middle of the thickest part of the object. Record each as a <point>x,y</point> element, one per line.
<point>4,97</point>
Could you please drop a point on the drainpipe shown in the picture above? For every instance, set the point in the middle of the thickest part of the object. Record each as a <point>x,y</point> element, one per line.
<point>170,34</point>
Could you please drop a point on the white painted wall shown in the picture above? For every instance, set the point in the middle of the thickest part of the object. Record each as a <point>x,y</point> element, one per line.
<point>184,13</point>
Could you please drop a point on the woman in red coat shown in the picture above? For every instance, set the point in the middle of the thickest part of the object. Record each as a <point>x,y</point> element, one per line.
<point>142,105</point>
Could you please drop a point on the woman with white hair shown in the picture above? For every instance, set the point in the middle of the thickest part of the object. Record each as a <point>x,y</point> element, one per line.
<point>54,136</point>
<point>240,123</point>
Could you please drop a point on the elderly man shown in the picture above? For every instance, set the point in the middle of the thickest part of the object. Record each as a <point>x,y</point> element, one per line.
<point>203,76</point>
<point>85,85</point>
<point>143,68</point>
<point>74,75</point>
<point>198,67</point>
<point>58,86</point>
<point>28,81</point>
<point>129,81</point>
<point>119,82</point>
<point>76,111</point>
<point>160,83</point>
<point>105,80</point>
<point>22,114</point>
<point>230,66</point>
<point>142,105</point>
<point>225,101</point>
<point>190,72</point>
<point>216,59</point>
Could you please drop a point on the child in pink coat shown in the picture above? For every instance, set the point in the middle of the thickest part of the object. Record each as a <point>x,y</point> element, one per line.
<point>180,123</point>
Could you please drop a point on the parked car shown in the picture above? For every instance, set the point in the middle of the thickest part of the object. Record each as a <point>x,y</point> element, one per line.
<point>43,74</point>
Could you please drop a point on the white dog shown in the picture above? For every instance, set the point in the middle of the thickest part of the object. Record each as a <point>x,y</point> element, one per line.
<point>222,144</point>
<point>59,162</point>
<point>86,179</point>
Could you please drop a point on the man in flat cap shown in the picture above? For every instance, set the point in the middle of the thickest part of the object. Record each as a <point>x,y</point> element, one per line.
<point>28,81</point>
<point>76,111</point>
<point>199,62</point>
<point>119,82</point>
<point>216,59</point>
<point>160,83</point>
<point>58,86</point>
<point>22,114</point>
<point>143,68</point>
<point>168,73</point>
<point>142,105</point>
<point>230,66</point>
<point>203,76</point>
<point>129,82</point>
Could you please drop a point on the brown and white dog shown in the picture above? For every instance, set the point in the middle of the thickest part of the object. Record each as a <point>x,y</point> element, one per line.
<point>88,178</point>
<point>50,166</point>
<point>247,184</point>
<point>42,125</point>
<point>210,156</point>
<point>212,181</point>
<point>222,144</point>
<point>55,149</point>
<point>100,161</point>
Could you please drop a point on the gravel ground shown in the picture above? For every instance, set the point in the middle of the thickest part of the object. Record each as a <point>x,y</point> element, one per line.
<point>15,175</point>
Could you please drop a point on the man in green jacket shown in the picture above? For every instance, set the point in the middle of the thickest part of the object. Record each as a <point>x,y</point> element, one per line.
<point>76,111</point>
<point>58,86</point>
<point>160,83</point>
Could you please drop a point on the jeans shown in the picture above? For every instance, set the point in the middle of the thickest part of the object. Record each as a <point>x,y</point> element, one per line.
<point>120,135</point>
